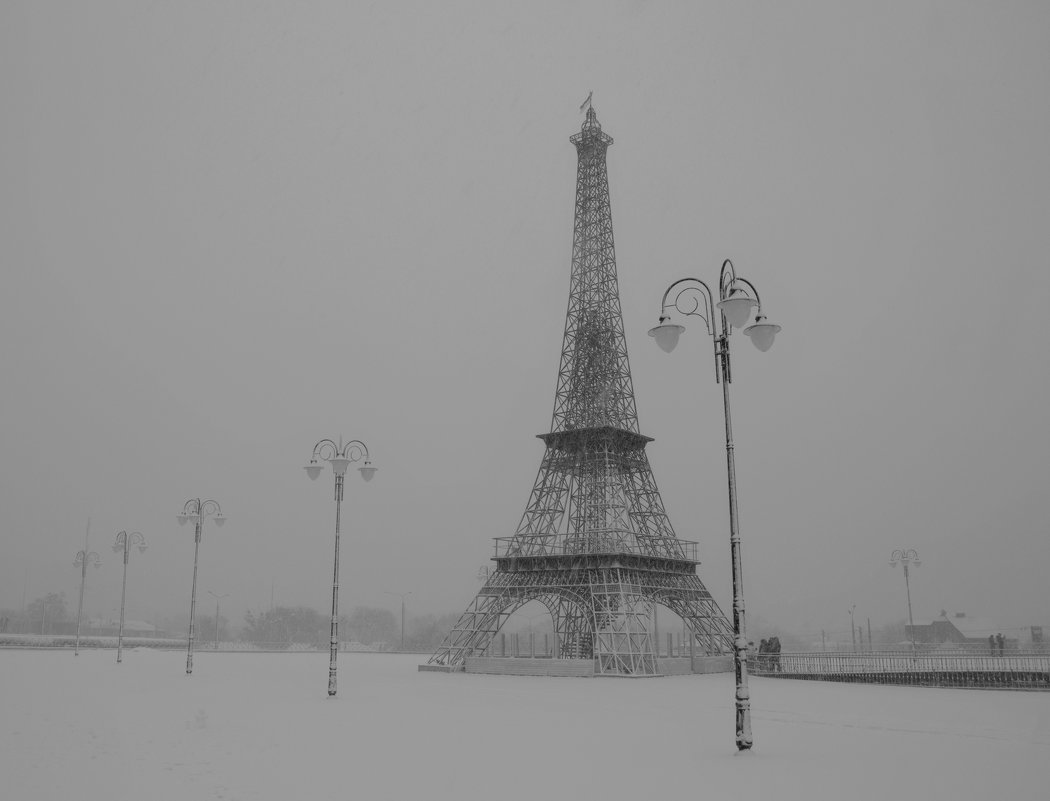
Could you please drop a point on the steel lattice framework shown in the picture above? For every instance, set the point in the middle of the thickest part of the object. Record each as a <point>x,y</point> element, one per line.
<point>594,545</point>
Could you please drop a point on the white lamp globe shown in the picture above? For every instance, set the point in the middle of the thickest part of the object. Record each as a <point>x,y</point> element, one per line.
<point>666,334</point>
<point>367,470</point>
<point>762,333</point>
<point>737,308</point>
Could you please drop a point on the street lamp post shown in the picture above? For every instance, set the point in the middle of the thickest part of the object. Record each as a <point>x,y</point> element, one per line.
<point>217,597</point>
<point>123,543</point>
<point>907,557</point>
<point>403,596</point>
<point>196,510</point>
<point>737,296</point>
<point>340,457</point>
<point>81,560</point>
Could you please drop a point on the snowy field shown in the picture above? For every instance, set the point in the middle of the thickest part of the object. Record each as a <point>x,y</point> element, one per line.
<point>256,727</point>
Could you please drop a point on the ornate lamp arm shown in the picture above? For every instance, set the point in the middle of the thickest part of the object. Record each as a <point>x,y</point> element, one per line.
<point>354,450</point>
<point>693,299</point>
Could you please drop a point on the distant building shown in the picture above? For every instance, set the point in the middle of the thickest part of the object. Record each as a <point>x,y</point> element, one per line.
<point>956,629</point>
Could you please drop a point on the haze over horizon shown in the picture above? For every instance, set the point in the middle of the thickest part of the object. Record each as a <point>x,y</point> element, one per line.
<point>229,231</point>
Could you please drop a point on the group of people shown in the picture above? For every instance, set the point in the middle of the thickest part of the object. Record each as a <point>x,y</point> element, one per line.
<point>769,654</point>
<point>996,643</point>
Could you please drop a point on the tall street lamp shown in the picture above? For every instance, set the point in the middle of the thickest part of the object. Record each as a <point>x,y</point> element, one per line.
<point>197,510</point>
<point>81,560</point>
<point>736,298</point>
<point>403,596</point>
<point>340,457</point>
<point>217,598</point>
<point>906,558</point>
<point>123,543</point>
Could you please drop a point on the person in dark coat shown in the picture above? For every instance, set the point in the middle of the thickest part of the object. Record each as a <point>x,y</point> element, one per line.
<point>1001,641</point>
<point>991,644</point>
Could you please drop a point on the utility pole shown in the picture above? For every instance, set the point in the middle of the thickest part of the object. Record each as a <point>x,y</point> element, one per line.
<point>22,616</point>
<point>217,598</point>
<point>907,557</point>
<point>403,595</point>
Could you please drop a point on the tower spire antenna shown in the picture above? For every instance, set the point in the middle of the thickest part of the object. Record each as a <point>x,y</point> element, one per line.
<point>594,545</point>
<point>587,104</point>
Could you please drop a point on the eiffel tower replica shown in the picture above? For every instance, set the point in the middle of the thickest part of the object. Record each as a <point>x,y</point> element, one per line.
<point>595,545</point>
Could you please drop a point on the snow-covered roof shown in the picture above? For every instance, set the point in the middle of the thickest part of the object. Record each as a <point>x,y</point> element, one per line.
<point>975,626</point>
<point>969,626</point>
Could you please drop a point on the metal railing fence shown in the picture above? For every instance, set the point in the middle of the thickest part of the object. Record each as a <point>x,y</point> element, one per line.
<point>1017,671</point>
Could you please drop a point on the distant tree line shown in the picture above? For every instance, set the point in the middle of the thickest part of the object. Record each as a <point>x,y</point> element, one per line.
<point>372,627</point>
<point>48,614</point>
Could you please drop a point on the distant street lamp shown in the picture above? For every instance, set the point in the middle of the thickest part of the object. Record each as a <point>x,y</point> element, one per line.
<point>123,543</point>
<point>852,628</point>
<point>906,558</point>
<point>403,596</point>
<point>736,298</point>
<point>196,510</point>
<point>217,597</point>
<point>81,560</point>
<point>340,457</point>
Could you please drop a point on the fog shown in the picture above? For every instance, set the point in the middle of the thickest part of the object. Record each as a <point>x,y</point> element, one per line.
<point>230,230</point>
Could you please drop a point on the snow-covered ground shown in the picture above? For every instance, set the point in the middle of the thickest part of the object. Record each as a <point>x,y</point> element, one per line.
<point>257,727</point>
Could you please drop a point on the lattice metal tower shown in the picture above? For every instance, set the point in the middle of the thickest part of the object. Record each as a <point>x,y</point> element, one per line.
<point>595,545</point>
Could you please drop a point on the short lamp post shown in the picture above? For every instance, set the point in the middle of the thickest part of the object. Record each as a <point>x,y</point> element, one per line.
<point>123,543</point>
<point>736,299</point>
<point>403,595</point>
<point>217,599</point>
<point>82,560</point>
<point>197,510</point>
<point>907,557</point>
<point>340,457</point>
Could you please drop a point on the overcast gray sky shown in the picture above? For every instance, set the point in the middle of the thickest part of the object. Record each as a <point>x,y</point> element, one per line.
<point>228,230</point>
